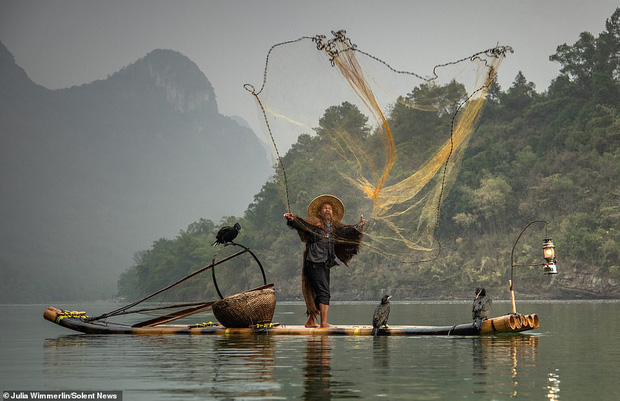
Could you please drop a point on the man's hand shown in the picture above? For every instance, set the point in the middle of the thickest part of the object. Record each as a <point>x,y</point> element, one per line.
<point>289,216</point>
<point>361,224</point>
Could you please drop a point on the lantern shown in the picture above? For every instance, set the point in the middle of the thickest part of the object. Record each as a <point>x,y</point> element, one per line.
<point>549,254</point>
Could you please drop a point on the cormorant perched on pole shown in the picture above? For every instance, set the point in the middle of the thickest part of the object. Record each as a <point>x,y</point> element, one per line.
<point>382,312</point>
<point>227,234</point>
<point>481,307</point>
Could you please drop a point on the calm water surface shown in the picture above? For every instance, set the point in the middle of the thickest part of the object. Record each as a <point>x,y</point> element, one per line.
<point>574,355</point>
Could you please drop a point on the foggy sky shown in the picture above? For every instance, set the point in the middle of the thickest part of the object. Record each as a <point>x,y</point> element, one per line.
<point>62,43</point>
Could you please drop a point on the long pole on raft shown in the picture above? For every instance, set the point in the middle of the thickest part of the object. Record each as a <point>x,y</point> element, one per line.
<point>512,265</point>
<point>124,308</point>
<point>512,298</point>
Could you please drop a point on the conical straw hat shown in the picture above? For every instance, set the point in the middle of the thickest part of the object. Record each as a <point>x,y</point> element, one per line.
<point>337,206</point>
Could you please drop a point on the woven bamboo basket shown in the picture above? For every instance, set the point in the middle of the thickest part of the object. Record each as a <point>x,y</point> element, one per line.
<point>246,309</point>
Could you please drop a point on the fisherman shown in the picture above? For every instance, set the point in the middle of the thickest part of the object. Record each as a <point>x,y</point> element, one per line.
<point>326,239</point>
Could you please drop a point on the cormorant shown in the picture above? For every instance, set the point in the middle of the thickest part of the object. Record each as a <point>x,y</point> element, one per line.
<point>382,312</point>
<point>481,307</point>
<point>227,234</point>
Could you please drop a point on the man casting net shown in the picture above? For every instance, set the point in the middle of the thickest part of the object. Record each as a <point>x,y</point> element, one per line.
<point>388,141</point>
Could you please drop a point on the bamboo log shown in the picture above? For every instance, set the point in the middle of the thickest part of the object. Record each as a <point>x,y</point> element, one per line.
<point>51,313</point>
<point>530,320</point>
<point>502,324</point>
<point>535,322</point>
<point>512,323</point>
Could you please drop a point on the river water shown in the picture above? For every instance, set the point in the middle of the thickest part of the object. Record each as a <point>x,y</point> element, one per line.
<point>574,355</point>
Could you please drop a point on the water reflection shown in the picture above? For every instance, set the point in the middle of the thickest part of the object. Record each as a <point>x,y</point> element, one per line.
<point>511,352</point>
<point>75,340</point>
<point>175,366</point>
<point>244,367</point>
<point>65,350</point>
<point>317,370</point>
<point>324,376</point>
<point>381,354</point>
<point>553,386</point>
<point>313,367</point>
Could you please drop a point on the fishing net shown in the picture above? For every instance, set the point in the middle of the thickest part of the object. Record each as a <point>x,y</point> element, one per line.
<point>388,142</point>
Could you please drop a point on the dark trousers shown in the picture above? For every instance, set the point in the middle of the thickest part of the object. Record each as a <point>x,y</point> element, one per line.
<point>318,275</point>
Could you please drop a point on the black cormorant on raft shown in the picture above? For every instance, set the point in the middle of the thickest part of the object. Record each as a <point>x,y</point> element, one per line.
<point>481,307</point>
<point>381,315</point>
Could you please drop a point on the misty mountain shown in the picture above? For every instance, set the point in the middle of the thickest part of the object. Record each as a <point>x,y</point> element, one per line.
<point>93,173</point>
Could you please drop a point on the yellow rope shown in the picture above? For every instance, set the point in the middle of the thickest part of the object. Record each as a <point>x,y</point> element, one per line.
<point>72,314</point>
<point>205,324</point>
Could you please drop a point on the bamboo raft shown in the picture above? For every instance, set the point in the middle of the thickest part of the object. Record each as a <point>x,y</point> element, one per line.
<point>78,321</point>
<point>251,312</point>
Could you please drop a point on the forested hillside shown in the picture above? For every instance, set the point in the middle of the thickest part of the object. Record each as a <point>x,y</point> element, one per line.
<point>552,155</point>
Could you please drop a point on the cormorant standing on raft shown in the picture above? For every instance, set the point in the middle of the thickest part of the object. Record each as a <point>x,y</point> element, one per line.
<point>382,312</point>
<point>227,234</point>
<point>481,307</point>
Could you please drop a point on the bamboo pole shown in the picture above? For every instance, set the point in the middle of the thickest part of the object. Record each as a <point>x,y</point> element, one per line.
<point>512,298</point>
<point>176,315</point>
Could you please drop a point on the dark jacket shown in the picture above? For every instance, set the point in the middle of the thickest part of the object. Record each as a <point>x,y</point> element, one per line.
<point>346,241</point>
<point>346,238</point>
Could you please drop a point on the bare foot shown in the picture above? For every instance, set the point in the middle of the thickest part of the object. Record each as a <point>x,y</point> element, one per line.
<point>326,326</point>
<point>311,322</point>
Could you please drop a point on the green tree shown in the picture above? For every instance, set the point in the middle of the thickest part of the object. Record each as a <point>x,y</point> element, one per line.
<point>345,118</point>
<point>593,64</point>
<point>519,96</point>
<point>491,202</point>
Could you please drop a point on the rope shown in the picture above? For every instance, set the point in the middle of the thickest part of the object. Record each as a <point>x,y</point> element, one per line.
<point>250,89</point>
<point>204,324</point>
<point>71,314</point>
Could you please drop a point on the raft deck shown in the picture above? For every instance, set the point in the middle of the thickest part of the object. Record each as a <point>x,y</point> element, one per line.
<point>78,321</point>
